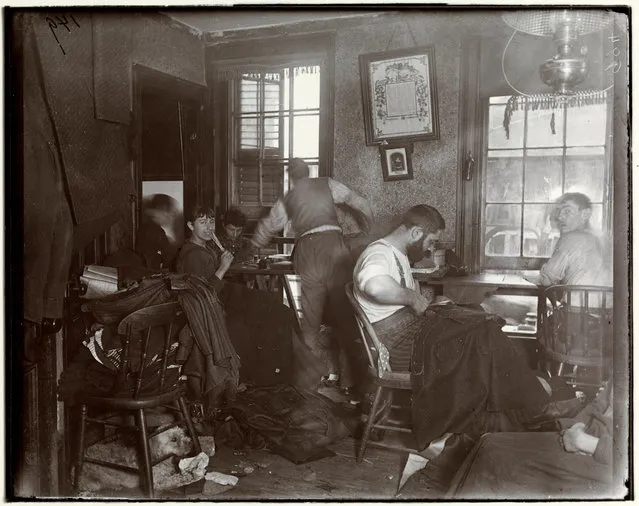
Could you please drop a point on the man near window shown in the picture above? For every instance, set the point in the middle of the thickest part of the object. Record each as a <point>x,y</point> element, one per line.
<point>466,375</point>
<point>320,257</point>
<point>578,258</point>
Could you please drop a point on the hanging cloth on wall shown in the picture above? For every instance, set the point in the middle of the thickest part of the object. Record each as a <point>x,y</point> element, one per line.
<point>48,223</point>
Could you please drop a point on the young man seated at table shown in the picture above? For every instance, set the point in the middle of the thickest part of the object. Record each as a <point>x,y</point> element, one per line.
<point>467,376</point>
<point>579,257</point>
<point>232,238</point>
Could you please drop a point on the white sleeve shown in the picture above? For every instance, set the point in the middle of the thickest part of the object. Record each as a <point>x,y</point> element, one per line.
<point>374,264</point>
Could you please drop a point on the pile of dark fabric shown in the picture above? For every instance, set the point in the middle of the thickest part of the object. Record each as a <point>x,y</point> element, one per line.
<point>236,322</point>
<point>295,424</point>
<point>213,362</point>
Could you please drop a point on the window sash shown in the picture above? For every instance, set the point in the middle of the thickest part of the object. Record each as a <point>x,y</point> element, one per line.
<point>259,168</point>
<point>602,203</point>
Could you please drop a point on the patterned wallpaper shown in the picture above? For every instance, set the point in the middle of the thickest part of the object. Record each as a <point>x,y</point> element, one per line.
<point>434,162</point>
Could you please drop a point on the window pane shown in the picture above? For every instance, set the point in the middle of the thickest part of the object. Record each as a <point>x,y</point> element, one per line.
<point>539,235</point>
<point>286,86</point>
<point>272,96</point>
<point>496,133</point>
<point>504,176</point>
<point>539,132</point>
<point>306,87</point>
<point>596,220</point>
<point>585,170</point>
<point>503,222</point>
<point>313,170</point>
<point>272,134</point>
<point>306,136</point>
<point>586,125</point>
<point>249,96</point>
<point>248,133</point>
<point>285,135</point>
<point>543,175</point>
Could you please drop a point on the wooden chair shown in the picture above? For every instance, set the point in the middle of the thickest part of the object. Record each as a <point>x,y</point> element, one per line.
<point>147,377</point>
<point>577,330</point>
<point>384,379</point>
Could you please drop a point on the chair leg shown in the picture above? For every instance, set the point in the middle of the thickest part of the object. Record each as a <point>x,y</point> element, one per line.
<point>561,368</point>
<point>79,461</point>
<point>369,425</point>
<point>144,453</point>
<point>189,425</point>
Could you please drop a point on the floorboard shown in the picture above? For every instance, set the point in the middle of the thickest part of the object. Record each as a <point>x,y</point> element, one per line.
<point>332,478</point>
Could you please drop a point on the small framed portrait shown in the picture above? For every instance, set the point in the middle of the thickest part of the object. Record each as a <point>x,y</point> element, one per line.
<point>397,163</point>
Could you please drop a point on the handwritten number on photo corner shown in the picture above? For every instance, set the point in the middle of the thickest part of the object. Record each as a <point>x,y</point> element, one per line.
<point>54,24</point>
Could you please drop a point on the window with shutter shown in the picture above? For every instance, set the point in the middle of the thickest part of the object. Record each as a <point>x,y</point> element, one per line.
<point>275,116</point>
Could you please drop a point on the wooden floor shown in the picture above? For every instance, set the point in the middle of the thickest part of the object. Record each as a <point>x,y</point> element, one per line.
<point>265,475</point>
<point>333,478</point>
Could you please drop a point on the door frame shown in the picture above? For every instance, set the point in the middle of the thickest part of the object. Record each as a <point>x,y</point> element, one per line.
<point>145,77</point>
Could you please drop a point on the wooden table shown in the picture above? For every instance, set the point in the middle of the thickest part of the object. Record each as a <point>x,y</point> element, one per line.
<point>265,271</point>
<point>514,284</point>
<point>270,278</point>
<point>502,283</point>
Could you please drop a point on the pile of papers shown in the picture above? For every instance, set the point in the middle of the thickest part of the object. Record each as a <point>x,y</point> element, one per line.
<point>99,280</point>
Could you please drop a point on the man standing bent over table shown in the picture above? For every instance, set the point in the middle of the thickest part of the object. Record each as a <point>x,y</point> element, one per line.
<point>320,257</point>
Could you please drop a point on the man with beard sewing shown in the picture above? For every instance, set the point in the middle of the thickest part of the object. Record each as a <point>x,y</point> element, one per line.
<point>467,376</point>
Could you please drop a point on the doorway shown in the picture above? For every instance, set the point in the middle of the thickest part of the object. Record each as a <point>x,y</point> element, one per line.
<point>170,158</point>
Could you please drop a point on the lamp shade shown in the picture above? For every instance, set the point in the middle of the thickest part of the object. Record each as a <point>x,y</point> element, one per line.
<point>545,22</point>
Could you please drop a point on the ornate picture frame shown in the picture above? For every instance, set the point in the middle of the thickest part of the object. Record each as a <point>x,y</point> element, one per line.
<point>397,162</point>
<point>399,94</point>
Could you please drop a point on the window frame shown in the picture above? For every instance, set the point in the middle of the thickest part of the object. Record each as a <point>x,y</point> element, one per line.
<point>471,162</point>
<point>286,111</point>
<point>522,262</point>
<point>224,59</point>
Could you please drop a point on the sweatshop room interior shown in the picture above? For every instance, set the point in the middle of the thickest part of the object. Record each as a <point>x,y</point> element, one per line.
<point>319,254</point>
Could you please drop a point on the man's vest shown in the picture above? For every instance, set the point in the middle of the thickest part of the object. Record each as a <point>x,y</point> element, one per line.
<point>310,205</point>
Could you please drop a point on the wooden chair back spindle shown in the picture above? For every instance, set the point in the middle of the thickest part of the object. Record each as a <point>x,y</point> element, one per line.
<point>577,326</point>
<point>138,327</point>
<point>380,363</point>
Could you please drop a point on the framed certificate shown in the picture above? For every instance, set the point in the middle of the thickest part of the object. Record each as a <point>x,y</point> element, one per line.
<point>399,95</point>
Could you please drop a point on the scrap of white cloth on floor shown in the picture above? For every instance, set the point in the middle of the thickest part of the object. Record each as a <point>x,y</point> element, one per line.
<point>417,462</point>
<point>192,469</point>
<point>221,478</point>
<point>195,466</point>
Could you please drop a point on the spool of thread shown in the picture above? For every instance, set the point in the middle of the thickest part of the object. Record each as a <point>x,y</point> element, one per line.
<point>439,257</point>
